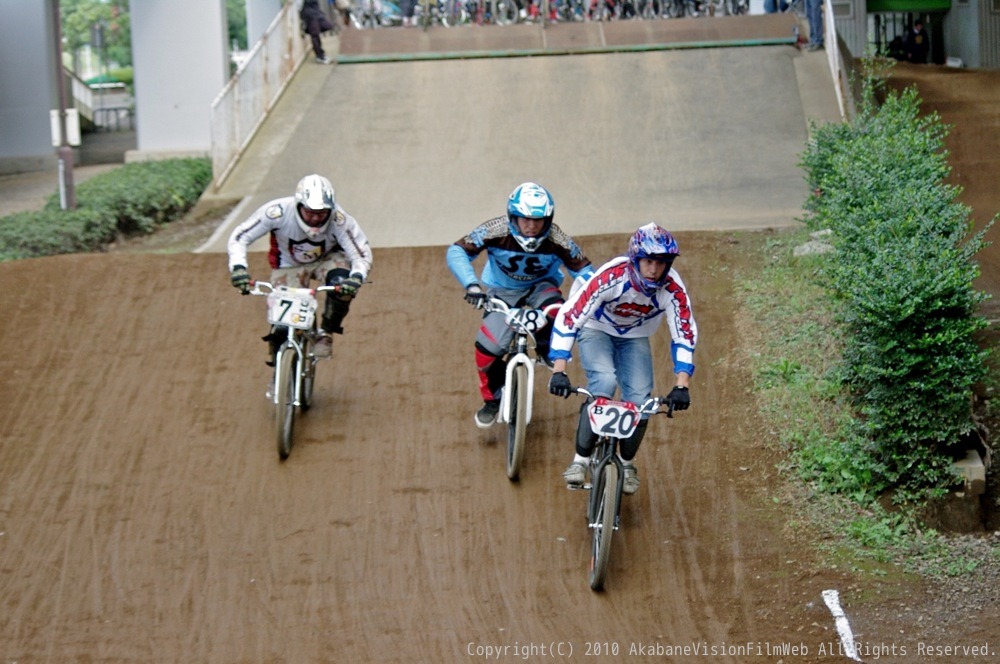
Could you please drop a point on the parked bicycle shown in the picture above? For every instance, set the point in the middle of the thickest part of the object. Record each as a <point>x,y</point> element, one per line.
<point>518,391</point>
<point>611,421</point>
<point>448,13</point>
<point>497,12</point>
<point>291,313</point>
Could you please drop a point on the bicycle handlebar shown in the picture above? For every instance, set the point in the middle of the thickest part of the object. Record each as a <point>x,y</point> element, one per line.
<point>257,288</point>
<point>492,304</point>
<point>650,406</point>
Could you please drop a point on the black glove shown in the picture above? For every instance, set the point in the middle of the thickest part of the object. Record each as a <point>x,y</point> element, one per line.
<point>559,385</point>
<point>240,278</point>
<point>475,295</point>
<point>351,285</point>
<point>679,399</point>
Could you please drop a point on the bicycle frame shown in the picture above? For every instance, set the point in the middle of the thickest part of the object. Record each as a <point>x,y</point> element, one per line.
<point>524,340</point>
<point>295,341</point>
<point>610,420</point>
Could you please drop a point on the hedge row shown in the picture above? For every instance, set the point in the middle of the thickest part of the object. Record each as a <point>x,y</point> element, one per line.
<point>903,271</point>
<point>132,199</point>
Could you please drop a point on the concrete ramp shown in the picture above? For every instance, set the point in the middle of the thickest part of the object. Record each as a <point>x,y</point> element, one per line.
<point>421,150</point>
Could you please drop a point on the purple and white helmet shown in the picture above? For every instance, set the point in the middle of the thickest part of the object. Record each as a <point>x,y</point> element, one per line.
<point>650,241</point>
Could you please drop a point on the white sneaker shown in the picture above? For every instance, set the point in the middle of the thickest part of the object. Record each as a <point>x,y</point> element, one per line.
<point>574,475</point>
<point>631,482</point>
<point>323,348</point>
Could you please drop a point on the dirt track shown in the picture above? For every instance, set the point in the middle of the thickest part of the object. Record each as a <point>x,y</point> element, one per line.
<point>146,516</point>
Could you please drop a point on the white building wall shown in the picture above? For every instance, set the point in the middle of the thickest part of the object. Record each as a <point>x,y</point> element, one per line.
<point>180,56</point>
<point>961,32</point>
<point>260,13</point>
<point>27,85</point>
<point>989,34</point>
<point>852,25</point>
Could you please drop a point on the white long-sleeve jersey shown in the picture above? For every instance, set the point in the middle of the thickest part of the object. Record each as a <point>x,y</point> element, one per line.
<point>608,302</point>
<point>291,246</point>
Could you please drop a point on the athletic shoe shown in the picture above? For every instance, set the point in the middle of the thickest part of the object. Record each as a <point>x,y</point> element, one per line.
<point>574,475</point>
<point>487,415</point>
<point>631,483</point>
<point>323,347</point>
<point>324,61</point>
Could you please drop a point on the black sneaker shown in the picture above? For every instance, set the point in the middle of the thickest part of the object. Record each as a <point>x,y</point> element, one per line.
<point>487,415</point>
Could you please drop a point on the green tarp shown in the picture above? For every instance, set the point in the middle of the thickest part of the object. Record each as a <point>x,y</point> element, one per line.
<point>912,6</point>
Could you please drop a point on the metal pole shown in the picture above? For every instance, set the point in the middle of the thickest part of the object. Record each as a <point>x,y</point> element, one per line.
<point>67,194</point>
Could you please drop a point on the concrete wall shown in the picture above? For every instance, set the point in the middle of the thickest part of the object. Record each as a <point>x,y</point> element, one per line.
<point>180,55</point>
<point>27,88</point>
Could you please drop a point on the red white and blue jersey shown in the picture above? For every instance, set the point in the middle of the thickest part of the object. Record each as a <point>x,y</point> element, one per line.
<point>608,302</point>
<point>291,246</point>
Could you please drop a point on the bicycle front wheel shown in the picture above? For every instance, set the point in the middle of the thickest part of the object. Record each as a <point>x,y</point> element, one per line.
<point>518,424</point>
<point>603,524</point>
<point>287,367</point>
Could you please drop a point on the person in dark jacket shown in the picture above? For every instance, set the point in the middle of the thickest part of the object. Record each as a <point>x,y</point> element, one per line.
<point>917,44</point>
<point>315,23</point>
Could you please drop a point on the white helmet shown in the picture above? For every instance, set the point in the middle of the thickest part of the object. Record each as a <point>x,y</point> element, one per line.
<point>314,193</point>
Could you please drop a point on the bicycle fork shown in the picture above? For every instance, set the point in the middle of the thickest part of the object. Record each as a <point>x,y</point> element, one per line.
<point>291,345</point>
<point>506,405</point>
<point>597,492</point>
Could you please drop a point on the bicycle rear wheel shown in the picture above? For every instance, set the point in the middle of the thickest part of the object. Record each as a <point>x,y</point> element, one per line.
<point>603,524</point>
<point>308,380</point>
<point>284,400</point>
<point>518,424</point>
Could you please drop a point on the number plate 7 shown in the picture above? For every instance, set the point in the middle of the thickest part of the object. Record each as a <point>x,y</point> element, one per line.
<point>615,419</point>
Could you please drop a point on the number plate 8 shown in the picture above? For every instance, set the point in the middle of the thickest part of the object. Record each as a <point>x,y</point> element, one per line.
<point>615,419</point>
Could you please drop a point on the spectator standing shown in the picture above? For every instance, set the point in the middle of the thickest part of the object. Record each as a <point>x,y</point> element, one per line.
<point>315,23</point>
<point>917,44</point>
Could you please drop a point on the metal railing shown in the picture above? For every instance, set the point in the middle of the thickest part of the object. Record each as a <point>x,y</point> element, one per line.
<point>243,104</point>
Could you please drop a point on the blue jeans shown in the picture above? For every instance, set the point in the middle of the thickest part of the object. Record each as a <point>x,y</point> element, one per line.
<point>616,362</point>
<point>814,14</point>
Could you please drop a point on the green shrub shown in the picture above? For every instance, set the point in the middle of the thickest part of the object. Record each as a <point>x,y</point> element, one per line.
<point>903,271</point>
<point>132,199</point>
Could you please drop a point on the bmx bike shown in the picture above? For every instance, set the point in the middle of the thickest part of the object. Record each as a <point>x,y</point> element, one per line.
<point>611,421</point>
<point>519,380</point>
<point>294,311</point>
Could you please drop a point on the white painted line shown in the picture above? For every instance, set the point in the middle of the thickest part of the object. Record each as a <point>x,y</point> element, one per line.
<point>832,599</point>
<point>224,228</point>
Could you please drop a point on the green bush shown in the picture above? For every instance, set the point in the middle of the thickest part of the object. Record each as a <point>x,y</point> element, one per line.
<point>132,199</point>
<point>903,272</point>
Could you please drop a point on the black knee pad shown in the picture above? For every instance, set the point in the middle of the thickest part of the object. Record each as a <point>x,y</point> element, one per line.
<point>585,436</point>
<point>274,339</point>
<point>629,446</point>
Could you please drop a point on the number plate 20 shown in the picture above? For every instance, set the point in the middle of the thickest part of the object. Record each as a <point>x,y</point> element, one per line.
<point>615,419</point>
